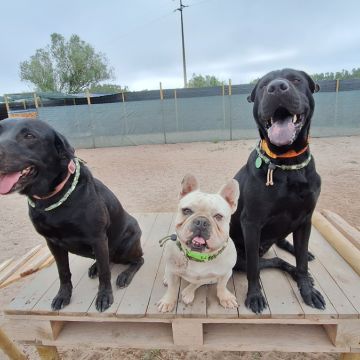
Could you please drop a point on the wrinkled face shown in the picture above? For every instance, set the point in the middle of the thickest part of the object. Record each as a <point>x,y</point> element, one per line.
<point>202,221</point>
<point>31,155</point>
<point>283,105</point>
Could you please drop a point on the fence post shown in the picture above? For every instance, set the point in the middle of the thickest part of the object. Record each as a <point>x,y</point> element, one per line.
<point>176,111</point>
<point>36,101</point>
<point>230,118</point>
<point>162,111</point>
<point>7,104</point>
<point>337,85</point>
<point>223,103</point>
<point>125,113</point>
<point>88,97</point>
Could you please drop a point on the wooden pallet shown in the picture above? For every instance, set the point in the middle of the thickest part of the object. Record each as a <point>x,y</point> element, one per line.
<point>134,321</point>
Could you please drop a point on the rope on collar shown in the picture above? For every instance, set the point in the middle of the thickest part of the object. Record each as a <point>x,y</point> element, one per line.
<point>67,194</point>
<point>271,166</point>
<point>190,254</point>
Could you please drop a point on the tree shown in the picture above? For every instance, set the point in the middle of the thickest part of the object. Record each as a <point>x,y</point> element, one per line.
<point>203,81</point>
<point>108,89</point>
<point>341,75</point>
<point>66,66</point>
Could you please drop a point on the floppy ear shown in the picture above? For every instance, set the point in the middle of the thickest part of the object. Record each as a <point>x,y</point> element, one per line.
<point>251,97</point>
<point>312,85</point>
<point>231,192</point>
<point>188,184</point>
<point>64,149</point>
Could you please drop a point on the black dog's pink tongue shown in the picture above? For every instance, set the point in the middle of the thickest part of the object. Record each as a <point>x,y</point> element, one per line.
<point>282,132</point>
<point>8,181</point>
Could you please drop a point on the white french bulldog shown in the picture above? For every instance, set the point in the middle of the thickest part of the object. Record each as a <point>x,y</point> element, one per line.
<point>203,252</point>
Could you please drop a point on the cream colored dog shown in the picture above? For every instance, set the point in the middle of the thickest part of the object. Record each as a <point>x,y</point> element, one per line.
<point>203,252</point>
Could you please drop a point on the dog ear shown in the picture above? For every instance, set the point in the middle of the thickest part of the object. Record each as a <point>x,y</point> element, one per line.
<point>231,192</point>
<point>251,97</point>
<point>188,184</point>
<point>64,149</point>
<point>312,85</point>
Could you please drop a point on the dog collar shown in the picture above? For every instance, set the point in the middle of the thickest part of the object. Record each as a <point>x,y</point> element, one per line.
<point>271,166</point>
<point>59,187</point>
<point>198,256</point>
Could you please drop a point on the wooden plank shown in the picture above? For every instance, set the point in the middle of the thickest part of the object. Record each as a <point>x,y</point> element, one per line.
<point>213,307</point>
<point>78,267</point>
<point>10,348</point>
<point>47,352</point>
<point>346,333</point>
<point>159,289</point>
<point>343,246</point>
<point>30,294</point>
<point>310,312</point>
<point>334,294</point>
<point>289,338</point>
<point>5,263</point>
<point>340,271</point>
<point>241,286</point>
<point>187,332</point>
<point>32,265</point>
<point>344,227</point>
<point>280,296</point>
<point>137,296</point>
<point>10,270</point>
<point>197,309</point>
<point>146,222</point>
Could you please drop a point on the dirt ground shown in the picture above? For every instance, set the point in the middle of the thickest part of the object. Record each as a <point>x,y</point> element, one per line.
<point>147,179</point>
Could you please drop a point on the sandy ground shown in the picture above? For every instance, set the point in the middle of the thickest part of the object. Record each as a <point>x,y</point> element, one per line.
<point>147,179</point>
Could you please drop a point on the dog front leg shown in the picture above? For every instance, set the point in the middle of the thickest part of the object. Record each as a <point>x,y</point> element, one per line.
<point>226,298</point>
<point>61,257</point>
<point>254,298</point>
<point>104,296</point>
<point>310,295</point>
<point>168,301</point>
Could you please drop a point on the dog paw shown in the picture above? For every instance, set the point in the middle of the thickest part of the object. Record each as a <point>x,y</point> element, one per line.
<point>311,296</point>
<point>255,302</point>
<point>62,298</point>
<point>166,305</point>
<point>93,271</point>
<point>187,296</point>
<point>228,301</point>
<point>104,299</point>
<point>311,256</point>
<point>124,279</point>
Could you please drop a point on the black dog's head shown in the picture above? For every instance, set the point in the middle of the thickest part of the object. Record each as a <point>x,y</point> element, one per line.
<point>283,107</point>
<point>33,157</point>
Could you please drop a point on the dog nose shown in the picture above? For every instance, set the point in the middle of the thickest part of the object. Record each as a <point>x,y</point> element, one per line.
<point>202,223</point>
<point>277,86</point>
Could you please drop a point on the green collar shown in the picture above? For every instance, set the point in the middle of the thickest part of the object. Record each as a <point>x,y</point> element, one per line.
<point>263,158</point>
<point>67,194</point>
<point>198,256</point>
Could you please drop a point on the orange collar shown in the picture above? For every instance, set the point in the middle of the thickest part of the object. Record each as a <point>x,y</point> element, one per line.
<point>289,154</point>
<point>59,187</point>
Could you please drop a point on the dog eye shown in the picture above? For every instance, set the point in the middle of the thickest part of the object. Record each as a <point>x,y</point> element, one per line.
<point>29,136</point>
<point>218,217</point>
<point>296,81</point>
<point>187,211</point>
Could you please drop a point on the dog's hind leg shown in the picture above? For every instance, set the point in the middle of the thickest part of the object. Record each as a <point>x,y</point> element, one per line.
<point>124,278</point>
<point>93,271</point>
<point>287,246</point>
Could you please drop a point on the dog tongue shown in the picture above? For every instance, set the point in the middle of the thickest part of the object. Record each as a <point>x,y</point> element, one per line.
<point>198,240</point>
<point>8,181</point>
<point>282,132</point>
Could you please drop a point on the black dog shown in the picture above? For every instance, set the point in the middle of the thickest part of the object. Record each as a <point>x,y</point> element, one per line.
<point>73,211</point>
<point>279,185</point>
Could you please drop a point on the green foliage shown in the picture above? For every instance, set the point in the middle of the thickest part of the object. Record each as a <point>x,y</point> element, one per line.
<point>341,75</point>
<point>198,81</point>
<point>66,66</point>
<point>108,89</point>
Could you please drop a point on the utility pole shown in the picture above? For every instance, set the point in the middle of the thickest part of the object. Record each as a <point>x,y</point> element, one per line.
<point>183,41</point>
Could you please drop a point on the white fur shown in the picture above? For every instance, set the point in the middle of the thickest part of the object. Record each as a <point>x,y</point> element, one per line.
<point>216,271</point>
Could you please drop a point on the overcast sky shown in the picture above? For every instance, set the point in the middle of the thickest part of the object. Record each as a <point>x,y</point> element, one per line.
<point>237,39</point>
